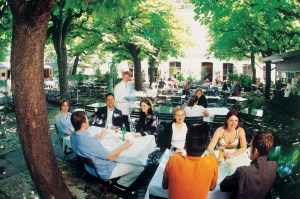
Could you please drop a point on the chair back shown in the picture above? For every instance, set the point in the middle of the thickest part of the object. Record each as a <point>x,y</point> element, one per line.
<point>219,119</point>
<point>88,162</point>
<point>165,117</point>
<point>194,120</point>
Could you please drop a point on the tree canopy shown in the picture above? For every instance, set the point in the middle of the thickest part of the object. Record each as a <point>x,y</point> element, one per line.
<point>238,28</point>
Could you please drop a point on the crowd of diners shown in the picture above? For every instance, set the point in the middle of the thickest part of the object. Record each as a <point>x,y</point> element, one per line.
<point>193,170</point>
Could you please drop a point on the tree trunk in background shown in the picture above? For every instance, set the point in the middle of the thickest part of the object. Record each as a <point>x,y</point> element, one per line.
<point>30,23</point>
<point>62,69</point>
<point>75,65</point>
<point>152,66</point>
<point>137,74</point>
<point>268,80</point>
<point>267,53</point>
<point>253,68</point>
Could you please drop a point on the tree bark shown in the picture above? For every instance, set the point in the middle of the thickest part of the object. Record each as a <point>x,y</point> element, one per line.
<point>75,65</point>
<point>253,68</point>
<point>137,74</point>
<point>152,66</point>
<point>30,21</point>
<point>269,52</point>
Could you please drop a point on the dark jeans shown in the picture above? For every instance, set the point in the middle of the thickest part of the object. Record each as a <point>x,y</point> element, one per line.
<point>126,122</point>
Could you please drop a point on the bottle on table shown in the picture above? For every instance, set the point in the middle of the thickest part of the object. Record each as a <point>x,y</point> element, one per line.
<point>123,131</point>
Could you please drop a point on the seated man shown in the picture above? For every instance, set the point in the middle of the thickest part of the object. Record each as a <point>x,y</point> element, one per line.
<point>108,115</point>
<point>253,181</point>
<point>88,146</point>
<point>191,176</point>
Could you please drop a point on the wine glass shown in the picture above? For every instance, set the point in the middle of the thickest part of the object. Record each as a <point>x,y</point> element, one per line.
<point>221,153</point>
<point>117,132</point>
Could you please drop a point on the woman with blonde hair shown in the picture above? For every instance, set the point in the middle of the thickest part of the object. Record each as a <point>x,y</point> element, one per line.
<point>202,101</point>
<point>175,131</point>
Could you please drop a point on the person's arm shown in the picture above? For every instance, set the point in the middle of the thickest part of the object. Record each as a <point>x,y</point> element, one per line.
<point>213,183</point>
<point>113,154</point>
<point>60,128</point>
<point>205,113</point>
<point>214,141</point>
<point>151,126</point>
<point>243,145</point>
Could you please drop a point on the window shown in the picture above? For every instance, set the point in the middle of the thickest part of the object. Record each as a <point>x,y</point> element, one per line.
<point>247,69</point>
<point>227,69</point>
<point>3,74</point>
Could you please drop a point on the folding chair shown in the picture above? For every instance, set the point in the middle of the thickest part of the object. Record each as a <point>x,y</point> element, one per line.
<point>194,120</point>
<point>67,150</point>
<point>93,177</point>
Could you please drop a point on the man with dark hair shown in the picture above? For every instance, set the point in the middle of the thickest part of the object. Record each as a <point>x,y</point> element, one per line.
<point>88,146</point>
<point>123,97</point>
<point>108,115</point>
<point>191,176</point>
<point>254,181</point>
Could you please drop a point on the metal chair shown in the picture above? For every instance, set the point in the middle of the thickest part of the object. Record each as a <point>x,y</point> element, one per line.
<point>165,117</point>
<point>194,120</point>
<point>67,150</point>
<point>92,178</point>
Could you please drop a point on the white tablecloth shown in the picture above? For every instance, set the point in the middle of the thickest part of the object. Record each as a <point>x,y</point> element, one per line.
<point>155,186</point>
<point>239,99</point>
<point>136,154</point>
<point>215,111</point>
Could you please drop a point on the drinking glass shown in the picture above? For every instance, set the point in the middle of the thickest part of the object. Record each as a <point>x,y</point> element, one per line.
<point>221,153</point>
<point>117,132</point>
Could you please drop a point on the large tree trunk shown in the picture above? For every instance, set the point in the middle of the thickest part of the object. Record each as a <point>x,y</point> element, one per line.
<point>30,21</point>
<point>253,68</point>
<point>137,73</point>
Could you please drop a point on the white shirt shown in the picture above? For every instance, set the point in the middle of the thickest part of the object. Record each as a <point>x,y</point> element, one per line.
<point>287,90</point>
<point>178,136</point>
<point>123,97</point>
<point>194,111</point>
<point>109,116</point>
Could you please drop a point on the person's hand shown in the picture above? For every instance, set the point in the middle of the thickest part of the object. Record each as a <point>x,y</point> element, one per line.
<point>178,151</point>
<point>229,155</point>
<point>137,135</point>
<point>126,144</point>
<point>68,133</point>
<point>103,134</point>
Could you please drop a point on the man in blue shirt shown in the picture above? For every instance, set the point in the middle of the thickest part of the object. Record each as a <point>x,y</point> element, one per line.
<point>88,146</point>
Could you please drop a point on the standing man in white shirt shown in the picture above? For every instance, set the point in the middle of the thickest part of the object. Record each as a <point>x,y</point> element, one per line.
<point>123,97</point>
<point>287,92</point>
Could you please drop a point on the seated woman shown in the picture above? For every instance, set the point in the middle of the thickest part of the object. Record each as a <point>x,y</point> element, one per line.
<point>175,131</point>
<point>194,110</point>
<point>202,101</point>
<point>148,120</point>
<point>63,119</point>
<point>229,136</point>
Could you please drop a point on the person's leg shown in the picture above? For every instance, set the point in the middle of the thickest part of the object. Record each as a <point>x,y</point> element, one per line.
<point>125,120</point>
<point>129,173</point>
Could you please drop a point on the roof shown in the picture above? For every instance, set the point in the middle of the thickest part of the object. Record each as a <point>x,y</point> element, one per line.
<point>289,61</point>
<point>283,56</point>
